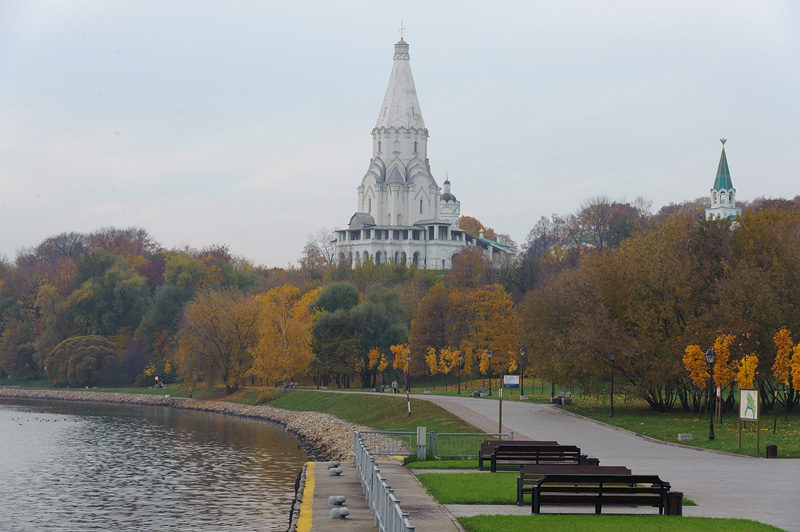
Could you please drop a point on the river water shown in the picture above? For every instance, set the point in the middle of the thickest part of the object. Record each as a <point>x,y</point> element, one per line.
<point>80,466</point>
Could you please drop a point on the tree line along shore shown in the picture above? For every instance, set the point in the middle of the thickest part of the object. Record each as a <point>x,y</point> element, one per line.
<point>116,308</point>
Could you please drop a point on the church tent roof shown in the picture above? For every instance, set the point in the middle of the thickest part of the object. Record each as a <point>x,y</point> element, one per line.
<point>400,107</point>
<point>723,179</point>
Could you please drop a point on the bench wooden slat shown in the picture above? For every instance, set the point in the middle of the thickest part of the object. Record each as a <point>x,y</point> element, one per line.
<point>531,474</point>
<point>514,457</point>
<point>600,489</point>
<point>488,446</point>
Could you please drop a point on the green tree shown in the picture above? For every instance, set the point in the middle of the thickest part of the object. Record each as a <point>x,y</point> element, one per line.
<point>83,361</point>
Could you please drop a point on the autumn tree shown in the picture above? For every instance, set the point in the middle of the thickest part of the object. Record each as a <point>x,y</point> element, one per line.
<point>747,370</point>
<point>474,226</point>
<point>284,334</point>
<point>217,334</point>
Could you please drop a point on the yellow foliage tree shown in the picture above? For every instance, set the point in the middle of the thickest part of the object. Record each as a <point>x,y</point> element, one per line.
<point>724,367</point>
<point>374,356</point>
<point>448,359</point>
<point>484,319</point>
<point>431,361</point>
<point>795,364</point>
<point>284,333</point>
<point>483,365</point>
<point>695,364</point>
<point>512,366</point>
<point>748,367</point>
<point>781,368</point>
<point>383,363</point>
<point>400,352</point>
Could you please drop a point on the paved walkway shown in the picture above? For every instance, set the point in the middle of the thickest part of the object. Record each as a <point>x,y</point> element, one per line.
<point>722,485</point>
<point>323,486</point>
<point>423,510</point>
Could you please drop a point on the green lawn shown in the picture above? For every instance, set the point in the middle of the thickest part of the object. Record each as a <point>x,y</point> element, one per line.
<point>376,411</point>
<point>608,523</point>
<point>478,488</point>
<point>442,464</point>
<point>666,426</point>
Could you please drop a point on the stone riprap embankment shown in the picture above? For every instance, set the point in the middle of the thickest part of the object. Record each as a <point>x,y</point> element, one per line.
<point>327,437</point>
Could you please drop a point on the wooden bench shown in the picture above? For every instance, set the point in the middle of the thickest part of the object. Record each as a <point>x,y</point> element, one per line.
<point>600,490</point>
<point>480,392</point>
<point>514,457</point>
<point>563,398</point>
<point>488,446</point>
<point>530,475</point>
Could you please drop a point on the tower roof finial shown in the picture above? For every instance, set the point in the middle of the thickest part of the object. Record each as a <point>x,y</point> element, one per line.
<point>402,29</point>
<point>723,141</point>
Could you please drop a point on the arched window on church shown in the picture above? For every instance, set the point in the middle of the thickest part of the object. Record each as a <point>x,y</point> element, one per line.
<point>420,206</point>
<point>379,146</point>
<point>415,146</point>
<point>730,197</point>
<point>369,209</point>
<point>714,197</point>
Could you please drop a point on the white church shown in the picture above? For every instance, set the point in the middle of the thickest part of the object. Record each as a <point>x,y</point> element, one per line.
<point>402,215</point>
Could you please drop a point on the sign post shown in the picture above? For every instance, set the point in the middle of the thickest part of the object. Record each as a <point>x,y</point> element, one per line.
<point>500,417</point>
<point>749,411</point>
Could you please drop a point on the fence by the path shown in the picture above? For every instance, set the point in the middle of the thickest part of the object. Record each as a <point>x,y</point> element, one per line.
<point>460,444</point>
<point>389,517</point>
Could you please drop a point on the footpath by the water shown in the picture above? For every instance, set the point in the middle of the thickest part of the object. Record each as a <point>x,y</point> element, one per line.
<point>318,485</point>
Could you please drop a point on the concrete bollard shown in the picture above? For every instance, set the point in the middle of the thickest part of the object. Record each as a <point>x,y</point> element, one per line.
<point>335,471</point>
<point>339,513</point>
<point>333,463</point>
<point>336,500</point>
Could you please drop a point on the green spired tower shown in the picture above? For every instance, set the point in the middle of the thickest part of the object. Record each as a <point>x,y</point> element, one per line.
<point>723,195</point>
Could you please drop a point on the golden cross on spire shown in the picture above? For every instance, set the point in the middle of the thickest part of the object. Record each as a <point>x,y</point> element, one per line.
<point>402,29</point>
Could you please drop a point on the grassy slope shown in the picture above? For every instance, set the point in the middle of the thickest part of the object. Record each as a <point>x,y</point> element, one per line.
<point>608,523</point>
<point>666,426</point>
<point>376,411</point>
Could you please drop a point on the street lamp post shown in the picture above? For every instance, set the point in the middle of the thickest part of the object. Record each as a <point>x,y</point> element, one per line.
<point>460,359</point>
<point>521,372</point>
<point>710,358</point>
<point>489,356</point>
<point>408,383</point>
<point>611,356</point>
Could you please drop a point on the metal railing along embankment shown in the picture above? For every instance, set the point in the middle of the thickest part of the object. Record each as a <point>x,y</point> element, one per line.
<point>389,517</point>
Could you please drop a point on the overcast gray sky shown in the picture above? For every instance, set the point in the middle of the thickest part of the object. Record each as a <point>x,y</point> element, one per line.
<point>248,123</point>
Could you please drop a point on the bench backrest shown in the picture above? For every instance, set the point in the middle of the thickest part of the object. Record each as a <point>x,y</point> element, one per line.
<point>508,451</point>
<point>562,481</point>
<point>489,445</point>
<point>535,472</point>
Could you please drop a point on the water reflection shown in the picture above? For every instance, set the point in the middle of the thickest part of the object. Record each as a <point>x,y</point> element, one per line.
<point>72,466</point>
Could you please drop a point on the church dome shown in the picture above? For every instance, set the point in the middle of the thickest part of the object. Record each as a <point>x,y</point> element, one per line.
<point>448,197</point>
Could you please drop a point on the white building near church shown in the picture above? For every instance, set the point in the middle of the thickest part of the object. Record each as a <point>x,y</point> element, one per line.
<point>402,215</point>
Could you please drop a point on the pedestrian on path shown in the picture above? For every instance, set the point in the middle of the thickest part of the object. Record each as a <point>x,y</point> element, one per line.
<point>394,386</point>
